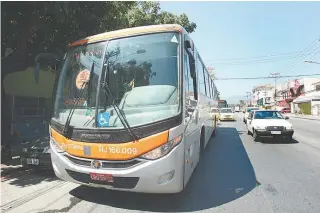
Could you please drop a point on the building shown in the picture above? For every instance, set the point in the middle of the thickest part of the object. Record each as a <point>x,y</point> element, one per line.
<point>263,95</point>
<point>307,99</point>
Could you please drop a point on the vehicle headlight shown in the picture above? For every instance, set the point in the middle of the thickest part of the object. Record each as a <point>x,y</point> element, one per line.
<point>162,150</point>
<point>289,127</point>
<point>54,145</point>
<point>260,127</point>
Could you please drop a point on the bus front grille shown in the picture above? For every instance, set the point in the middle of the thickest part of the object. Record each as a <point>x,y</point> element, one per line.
<point>105,164</point>
<point>119,182</point>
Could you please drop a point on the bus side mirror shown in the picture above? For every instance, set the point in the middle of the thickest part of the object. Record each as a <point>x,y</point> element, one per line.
<point>189,44</point>
<point>192,66</point>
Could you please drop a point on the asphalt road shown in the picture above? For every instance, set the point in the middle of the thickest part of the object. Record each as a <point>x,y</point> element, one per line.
<point>236,174</point>
<point>307,130</point>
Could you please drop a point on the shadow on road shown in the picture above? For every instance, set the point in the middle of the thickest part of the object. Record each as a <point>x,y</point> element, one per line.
<point>279,141</point>
<point>224,174</point>
<point>12,162</point>
<point>25,177</point>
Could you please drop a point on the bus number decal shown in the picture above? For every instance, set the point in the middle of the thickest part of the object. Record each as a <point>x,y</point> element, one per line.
<point>117,150</point>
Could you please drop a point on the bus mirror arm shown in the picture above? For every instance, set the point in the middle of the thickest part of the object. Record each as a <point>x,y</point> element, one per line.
<point>193,73</point>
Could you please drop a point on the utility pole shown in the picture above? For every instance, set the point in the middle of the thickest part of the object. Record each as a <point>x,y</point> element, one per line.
<point>275,76</point>
<point>248,96</point>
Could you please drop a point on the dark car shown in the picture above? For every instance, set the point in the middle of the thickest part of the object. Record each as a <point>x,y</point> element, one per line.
<point>36,153</point>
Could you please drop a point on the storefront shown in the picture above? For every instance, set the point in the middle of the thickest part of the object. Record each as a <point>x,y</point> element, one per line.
<point>308,104</point>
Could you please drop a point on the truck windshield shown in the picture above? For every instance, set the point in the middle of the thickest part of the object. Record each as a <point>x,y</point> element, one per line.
<point>142,74</point>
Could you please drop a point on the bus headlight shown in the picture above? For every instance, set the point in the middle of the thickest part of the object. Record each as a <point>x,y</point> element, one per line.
<point>162,150</point>
<point>56,146</point>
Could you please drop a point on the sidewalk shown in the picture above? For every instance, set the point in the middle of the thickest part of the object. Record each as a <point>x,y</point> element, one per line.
<point>309,117</point>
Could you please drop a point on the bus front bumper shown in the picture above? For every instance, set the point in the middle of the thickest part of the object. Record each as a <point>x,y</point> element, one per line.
<point>164,175</point>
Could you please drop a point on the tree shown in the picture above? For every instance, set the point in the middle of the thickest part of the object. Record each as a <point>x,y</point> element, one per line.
<point>32,27</point>
<point>149,13</point>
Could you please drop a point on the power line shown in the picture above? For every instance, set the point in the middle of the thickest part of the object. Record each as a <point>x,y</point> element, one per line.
<point>266,56</point>
<point>267,77</point>
<point>254,61</point>
<point>257,61</point>
<point>293,63</point>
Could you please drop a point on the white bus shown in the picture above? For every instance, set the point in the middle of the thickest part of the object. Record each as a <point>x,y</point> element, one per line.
<point>132,110</point>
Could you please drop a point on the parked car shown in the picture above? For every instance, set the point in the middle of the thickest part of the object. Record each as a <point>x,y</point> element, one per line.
<point>247,111</point>
<point>36,153</point>
<point>226,114</point>
<point>270,124</point>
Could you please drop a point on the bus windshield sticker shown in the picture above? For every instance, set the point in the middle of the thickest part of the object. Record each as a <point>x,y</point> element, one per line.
<point>82,76</point>
<point>174,39</point>
<point>103,119</point>
<point>89,112</point>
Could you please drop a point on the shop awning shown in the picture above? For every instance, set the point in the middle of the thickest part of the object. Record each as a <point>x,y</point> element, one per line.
<point>314,96</point>
<point>23,83</point>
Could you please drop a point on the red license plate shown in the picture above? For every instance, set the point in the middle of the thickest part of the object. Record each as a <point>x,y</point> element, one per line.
<point>101,177</point>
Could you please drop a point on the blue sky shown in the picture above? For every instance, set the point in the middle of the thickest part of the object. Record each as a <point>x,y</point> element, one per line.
<point>228,30</point>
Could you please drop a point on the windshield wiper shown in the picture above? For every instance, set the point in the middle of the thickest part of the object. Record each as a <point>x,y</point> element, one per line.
<point>122,117</point>
<point>67,130</point>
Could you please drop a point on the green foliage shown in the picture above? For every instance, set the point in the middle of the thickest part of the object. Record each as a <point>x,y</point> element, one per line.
<point>51,25</point>
<point>149,13</point>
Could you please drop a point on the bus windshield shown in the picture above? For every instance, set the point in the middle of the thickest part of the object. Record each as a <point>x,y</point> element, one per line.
<point>141,72</point>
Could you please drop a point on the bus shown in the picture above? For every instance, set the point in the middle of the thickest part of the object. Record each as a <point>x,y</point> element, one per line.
<point>132,110</point>
<point>222,104</point>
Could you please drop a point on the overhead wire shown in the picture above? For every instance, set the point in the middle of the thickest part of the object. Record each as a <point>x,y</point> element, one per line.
<point>294,62</point>
<point>268,77</point>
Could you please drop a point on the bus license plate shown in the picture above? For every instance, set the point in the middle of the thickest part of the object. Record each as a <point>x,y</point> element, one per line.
<point>276,132</point>
<point>33,161</point>
<point>101,177</point>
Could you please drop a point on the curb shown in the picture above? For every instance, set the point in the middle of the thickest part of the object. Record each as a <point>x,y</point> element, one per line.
<point>314,119</point>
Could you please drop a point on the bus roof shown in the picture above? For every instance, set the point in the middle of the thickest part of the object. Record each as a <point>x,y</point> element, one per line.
<point>129,32</point>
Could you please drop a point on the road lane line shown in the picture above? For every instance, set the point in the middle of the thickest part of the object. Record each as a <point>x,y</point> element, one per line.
<point>28,197</point>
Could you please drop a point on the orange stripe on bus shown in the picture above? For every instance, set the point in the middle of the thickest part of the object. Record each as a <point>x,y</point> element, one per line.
<point>127,32</point>
<point>80,42</point>
<point>108,151</point>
